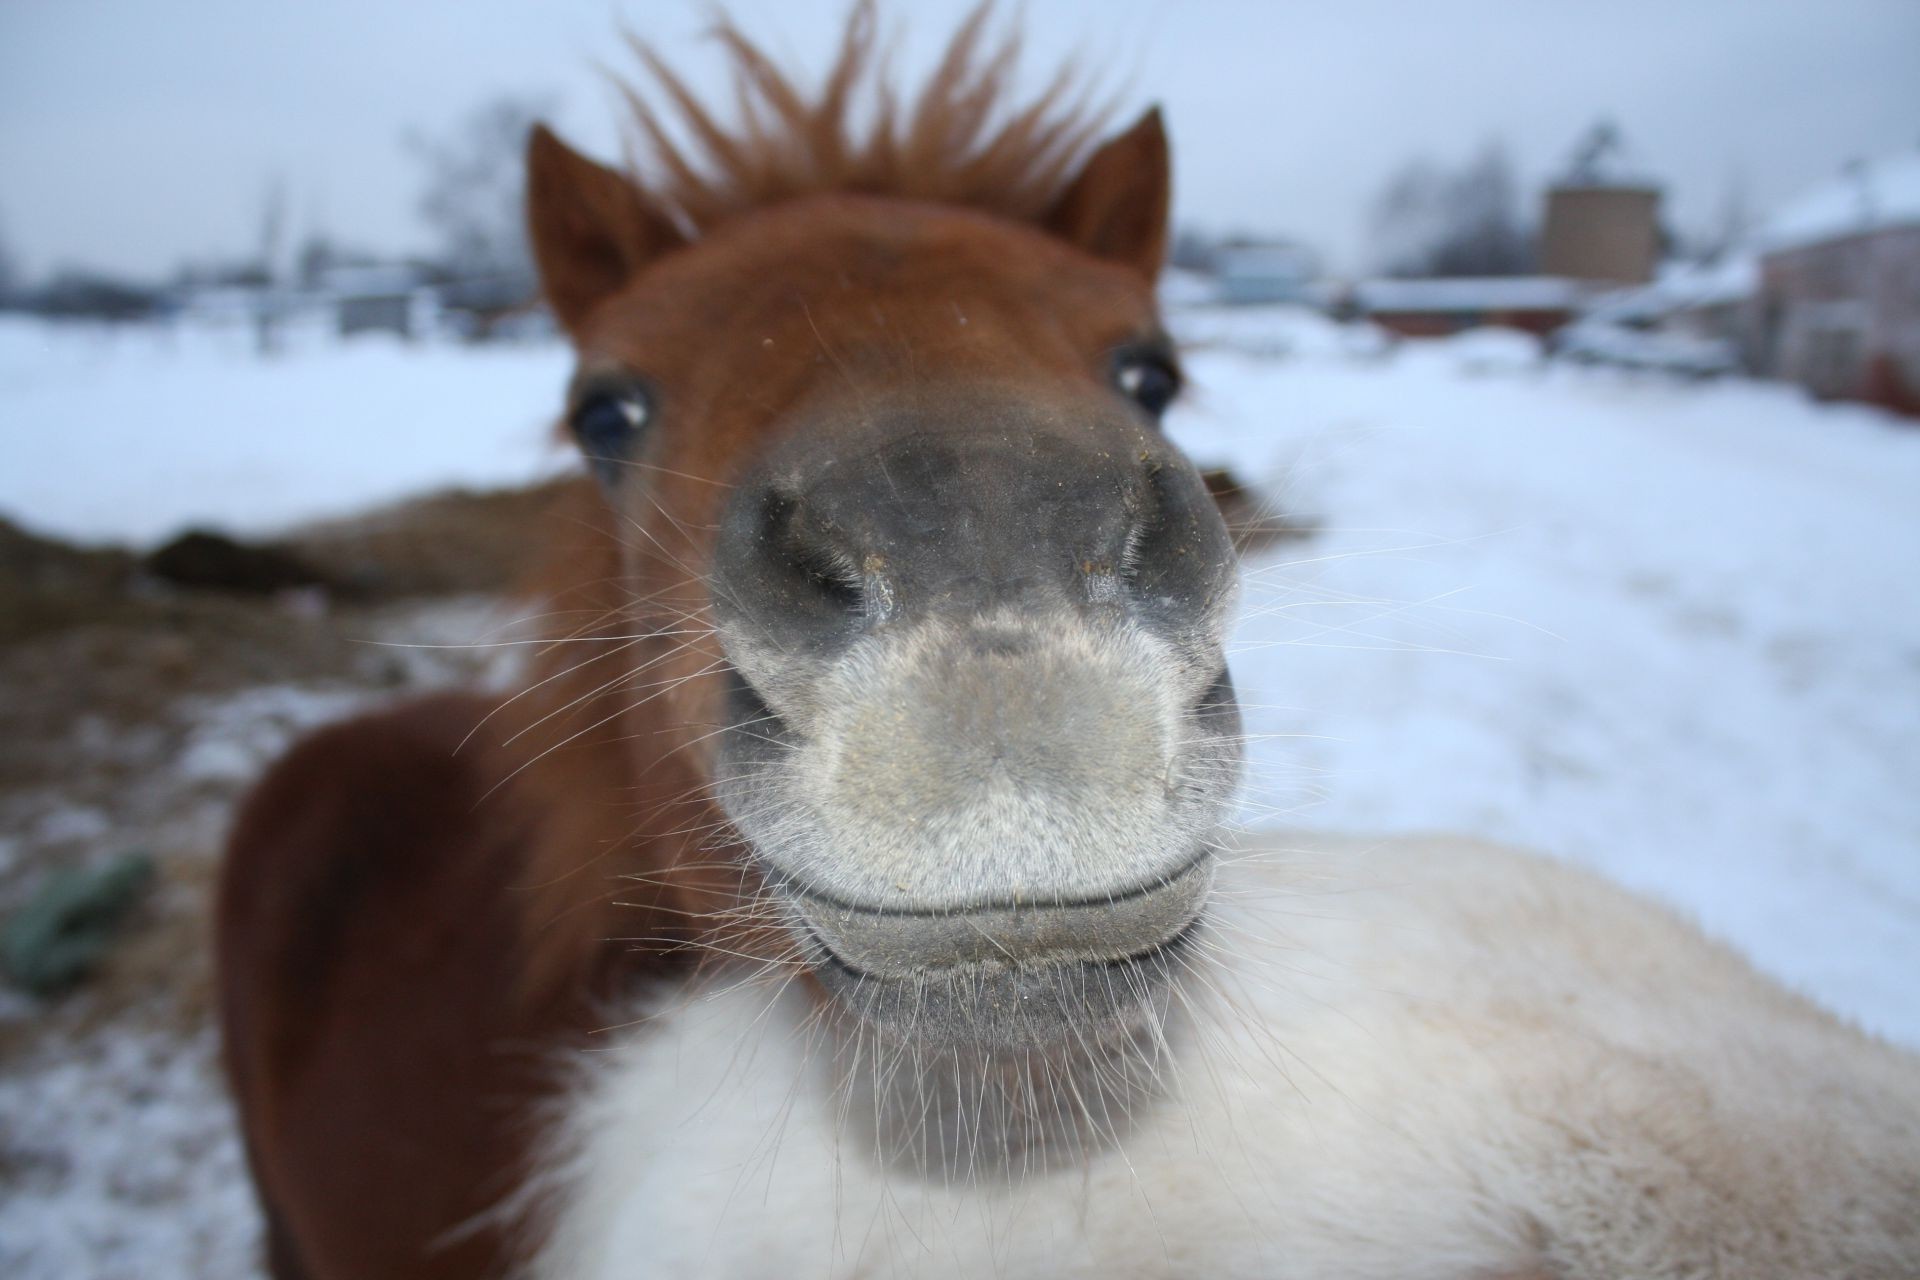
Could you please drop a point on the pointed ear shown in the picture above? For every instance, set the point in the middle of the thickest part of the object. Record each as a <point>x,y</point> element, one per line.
<point>1117,208</point>
<point>592,230</point>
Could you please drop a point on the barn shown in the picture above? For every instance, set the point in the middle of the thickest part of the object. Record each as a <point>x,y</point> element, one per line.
<point>1437,307</point>
<point>1838,308</point>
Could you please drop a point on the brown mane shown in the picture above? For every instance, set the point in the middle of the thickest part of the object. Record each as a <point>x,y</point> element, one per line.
<point>961,142</point>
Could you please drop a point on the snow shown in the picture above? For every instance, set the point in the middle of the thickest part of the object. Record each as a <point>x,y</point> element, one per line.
<point>1597,341</point>
<point>1681,287</point>
<point>1657,627</point>
<point>1868,196</point>
<point>151,1182</point>
<point>1653,627</point>
<point>1277,332</point>
<point>137,434</point>
<point>1486,349</point>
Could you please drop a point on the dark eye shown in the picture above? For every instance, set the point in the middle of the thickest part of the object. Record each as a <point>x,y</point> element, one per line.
<point>1148,378</point>
<point>608,422</point>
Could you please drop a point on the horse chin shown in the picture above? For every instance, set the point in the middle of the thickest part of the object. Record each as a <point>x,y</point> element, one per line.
<point>995,1069</point>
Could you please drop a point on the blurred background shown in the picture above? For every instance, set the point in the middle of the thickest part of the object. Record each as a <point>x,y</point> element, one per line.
<point>1563,362</point>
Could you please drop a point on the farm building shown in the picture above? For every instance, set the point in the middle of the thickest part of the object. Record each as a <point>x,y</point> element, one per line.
<point>1602,215</point>
<point>373,297</point>
<point>1261,271</point>
<point>1838,306</point>
<point>1435,308</point>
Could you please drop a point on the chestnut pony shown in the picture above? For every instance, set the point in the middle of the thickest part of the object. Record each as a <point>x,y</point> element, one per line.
<point>838,896</point>
<point>886,650</point>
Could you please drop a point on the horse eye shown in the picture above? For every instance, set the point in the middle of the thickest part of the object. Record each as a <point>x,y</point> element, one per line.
<point>606,423</point>
<point>1148,379</point>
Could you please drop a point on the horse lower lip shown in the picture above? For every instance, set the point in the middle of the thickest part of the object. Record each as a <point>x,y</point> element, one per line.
<point>898,941</point>
<point>1165,949</point>
<point>999,1007</point>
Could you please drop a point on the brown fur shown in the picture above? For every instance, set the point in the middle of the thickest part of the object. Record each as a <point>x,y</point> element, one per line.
<point>423,909</point>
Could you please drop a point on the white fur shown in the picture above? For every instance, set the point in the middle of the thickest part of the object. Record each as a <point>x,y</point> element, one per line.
<point>1417,1058</point>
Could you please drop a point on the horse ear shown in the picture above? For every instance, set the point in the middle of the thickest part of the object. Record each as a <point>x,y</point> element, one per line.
<point>1117,207</point>
<point>591,229</point>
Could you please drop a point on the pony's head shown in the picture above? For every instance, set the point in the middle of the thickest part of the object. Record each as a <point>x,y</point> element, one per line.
<point>933,604</point>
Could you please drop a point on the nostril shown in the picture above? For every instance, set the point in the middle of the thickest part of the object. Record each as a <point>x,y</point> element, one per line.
<point>1111,576</point>
<point>1128,563</point>
<point>833,578</point>
<point>1177,555</point>
<point>809,557</point>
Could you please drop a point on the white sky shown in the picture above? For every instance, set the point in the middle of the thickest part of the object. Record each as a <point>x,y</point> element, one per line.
<point>137,132</point>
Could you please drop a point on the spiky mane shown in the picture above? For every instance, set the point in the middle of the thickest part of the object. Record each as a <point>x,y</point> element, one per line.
<point>961,141</point>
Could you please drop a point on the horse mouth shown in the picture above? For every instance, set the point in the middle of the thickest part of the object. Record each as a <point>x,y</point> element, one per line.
<point>1006,975</point>
<point>988,833</point>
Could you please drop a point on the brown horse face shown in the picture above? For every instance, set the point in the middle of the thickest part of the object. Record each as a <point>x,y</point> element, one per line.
<point>971,601</point>
<point>985,729</point>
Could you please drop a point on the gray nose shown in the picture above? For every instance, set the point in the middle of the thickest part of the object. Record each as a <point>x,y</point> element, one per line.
<point>921,515</point>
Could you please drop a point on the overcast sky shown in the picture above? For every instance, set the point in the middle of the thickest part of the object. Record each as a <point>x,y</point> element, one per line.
<point>135,133</point>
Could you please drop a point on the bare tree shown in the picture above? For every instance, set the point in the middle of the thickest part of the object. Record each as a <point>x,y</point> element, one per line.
<point>473,187</point>
<point>1409,219</point>
<point>9,271</point>
<point>270,306</point>
<point>1431,221</point>
<point>1733,224</point>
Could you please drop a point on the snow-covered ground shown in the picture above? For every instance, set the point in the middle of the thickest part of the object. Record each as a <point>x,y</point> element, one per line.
<point>134,434</point>
<point>1664,629</point>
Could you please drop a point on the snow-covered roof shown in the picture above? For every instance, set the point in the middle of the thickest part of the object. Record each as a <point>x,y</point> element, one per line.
<point>1472,293</point>
<point>1867,196</point>
<point>1684,286</point>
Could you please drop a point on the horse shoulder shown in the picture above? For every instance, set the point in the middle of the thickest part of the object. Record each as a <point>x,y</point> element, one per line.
<point>371,948</point>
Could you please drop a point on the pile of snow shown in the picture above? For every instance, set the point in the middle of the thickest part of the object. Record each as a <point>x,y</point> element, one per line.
<point>1666,351</point>
<point>1487,349</point>
<point>1681,287</point>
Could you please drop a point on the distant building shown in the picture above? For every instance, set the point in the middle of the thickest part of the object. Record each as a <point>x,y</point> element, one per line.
<point>373,297</point>
<point>500,305</point>
<point>1264,271</point>
<point>1838,309</point>
<point>1435,308</point>
<point>1603,216</point>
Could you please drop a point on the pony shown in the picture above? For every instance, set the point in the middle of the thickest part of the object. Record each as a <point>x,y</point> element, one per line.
<point>846,890</point>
